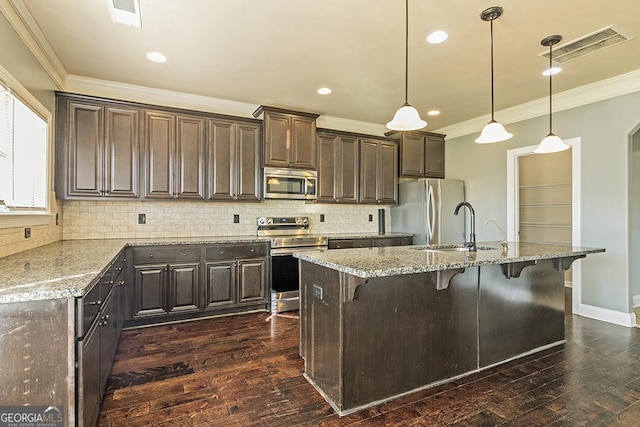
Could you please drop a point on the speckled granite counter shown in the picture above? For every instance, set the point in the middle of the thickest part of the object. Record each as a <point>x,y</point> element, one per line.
<point>67,268</point>
<point>396,260</point>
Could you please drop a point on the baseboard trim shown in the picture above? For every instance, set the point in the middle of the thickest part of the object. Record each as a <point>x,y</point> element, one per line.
<point>609,316</point>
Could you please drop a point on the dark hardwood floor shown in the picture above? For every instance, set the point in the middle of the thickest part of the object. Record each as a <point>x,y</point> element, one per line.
<point>243,371</point>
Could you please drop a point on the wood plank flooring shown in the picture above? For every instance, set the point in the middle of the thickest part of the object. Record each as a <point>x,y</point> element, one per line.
<point>243,371</point>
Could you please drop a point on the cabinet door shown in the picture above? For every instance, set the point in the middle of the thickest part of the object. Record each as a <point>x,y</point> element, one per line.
<point>388,173</point>
<point>277,140</point>
<point>159,138</point>
<point>109,333</point>
<point>88,377</point>
<point>303,142</point>
<point>347,170</point>
<point>412,154</point>
<point>252,281</point>
<point>368,171</point>
<point>85,150</point>
<point>183,287</point>
<point>221,159</point>
<point>434,157</point>
<point>247,162</point>
<point>149,290</point>
<point>189,166</point>
<point>121,157</point>
<point>326,152</point>
<point>349,243</point>
<point>220,286</point>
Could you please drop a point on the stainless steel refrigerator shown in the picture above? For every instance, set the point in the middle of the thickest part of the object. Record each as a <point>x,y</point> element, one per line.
<point>425,208</point>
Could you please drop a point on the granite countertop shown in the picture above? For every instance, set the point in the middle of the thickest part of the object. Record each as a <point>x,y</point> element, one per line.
<point>397,260</point>
<point>68,268</point>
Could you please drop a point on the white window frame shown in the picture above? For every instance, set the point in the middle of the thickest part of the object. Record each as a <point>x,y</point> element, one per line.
<point>29,218</point>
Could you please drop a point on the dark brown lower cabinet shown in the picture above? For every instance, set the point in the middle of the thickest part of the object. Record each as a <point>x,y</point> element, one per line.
<point>239,280</point>
<point>97,338</point>
<point>169,283</point>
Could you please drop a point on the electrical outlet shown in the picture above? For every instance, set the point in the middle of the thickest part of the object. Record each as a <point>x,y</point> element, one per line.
<point>27,232</point>
<point>370,218</point>
<point>236,219</point>
<point>142,218</point>
<point>321,217</point>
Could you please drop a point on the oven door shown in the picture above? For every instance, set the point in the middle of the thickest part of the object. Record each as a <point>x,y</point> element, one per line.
<point>285,282</point>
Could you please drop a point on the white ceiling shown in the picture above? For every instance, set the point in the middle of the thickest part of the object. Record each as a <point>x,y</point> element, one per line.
<point>278,52</point>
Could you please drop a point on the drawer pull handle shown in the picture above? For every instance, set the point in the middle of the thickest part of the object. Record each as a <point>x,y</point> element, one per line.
<point>121,283</point>
<point>150,255</point>
<point>94,302</point>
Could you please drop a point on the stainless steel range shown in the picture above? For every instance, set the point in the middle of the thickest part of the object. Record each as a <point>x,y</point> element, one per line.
<point>287,235</point>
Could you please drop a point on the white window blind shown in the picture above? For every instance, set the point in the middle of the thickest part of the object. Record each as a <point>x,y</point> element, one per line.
<point>23,155</point>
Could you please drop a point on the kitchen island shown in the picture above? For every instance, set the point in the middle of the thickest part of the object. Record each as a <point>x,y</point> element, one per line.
<point>378,323</point>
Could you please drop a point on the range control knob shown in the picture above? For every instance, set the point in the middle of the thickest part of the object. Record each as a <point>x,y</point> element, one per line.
<point>304,220</point>
<point>269,220</point>
<point>298,220</point>
<point>262,220</point>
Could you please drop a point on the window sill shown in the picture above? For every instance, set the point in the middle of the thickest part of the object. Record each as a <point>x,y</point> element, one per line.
<point>24,219</point>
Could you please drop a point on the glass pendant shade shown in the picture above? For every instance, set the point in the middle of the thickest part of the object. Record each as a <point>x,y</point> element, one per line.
<point>406,118</point>
<point>493,132</point>
<point>551,144</point>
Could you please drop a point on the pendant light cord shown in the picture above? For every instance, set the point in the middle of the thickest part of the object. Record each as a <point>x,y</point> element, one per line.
<point>550,92</point>
<point>492,100</point>
<point>406,52</point>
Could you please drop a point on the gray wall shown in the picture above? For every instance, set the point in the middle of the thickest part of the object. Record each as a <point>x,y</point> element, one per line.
<point>604,128</point>
<point>18,60</point>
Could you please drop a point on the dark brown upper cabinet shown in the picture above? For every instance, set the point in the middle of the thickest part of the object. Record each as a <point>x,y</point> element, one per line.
<point>378,171</point>
<point>233,161</point>
<point>337,161</point>
<point>97,147</point>
<point>289,138</point>
<point>173,155</point>
<point>421,154</point>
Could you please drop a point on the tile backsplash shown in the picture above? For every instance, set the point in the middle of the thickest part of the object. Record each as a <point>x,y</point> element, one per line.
<point>119,219</point>
<point>12,239</point>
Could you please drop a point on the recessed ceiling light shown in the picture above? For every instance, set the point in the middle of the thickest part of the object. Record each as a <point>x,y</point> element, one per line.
<point>551,71</point>
<point>125,12</point>
<point>324,91</point>
<point>433,113</point>
<point>437,37</point>
<point>156,57</point>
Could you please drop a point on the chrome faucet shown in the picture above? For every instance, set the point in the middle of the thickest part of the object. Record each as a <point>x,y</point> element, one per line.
<point>472,237</point>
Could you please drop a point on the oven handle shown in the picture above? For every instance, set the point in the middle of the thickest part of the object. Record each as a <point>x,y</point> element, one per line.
<point>290,251</point>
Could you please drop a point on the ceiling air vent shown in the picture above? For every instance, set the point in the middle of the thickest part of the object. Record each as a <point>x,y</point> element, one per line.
<point>126,12</point>
<point>586,45</point>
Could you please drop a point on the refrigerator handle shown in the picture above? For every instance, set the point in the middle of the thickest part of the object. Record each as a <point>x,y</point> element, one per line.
<point>431,211</point>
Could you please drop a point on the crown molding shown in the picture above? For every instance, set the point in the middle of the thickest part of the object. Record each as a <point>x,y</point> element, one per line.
<point>583,95</point>
<point>25,26</point>
<point>21,92</point>
<point>148,95</point>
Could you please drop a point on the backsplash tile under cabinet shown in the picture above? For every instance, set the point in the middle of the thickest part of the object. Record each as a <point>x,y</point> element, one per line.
<point>119,219</point>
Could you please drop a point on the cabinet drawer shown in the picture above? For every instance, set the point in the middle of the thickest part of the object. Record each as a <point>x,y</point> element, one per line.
<point>87,308</point>
<point>349,243</point>
<point>168,254</point>
<point>235,251</point>
<point>393,241</point>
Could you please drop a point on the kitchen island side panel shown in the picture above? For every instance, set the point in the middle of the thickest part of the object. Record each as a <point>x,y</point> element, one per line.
<point>36,349</point>
<point>520,314</point>
<point>401,333</point>
<point>321,329</point>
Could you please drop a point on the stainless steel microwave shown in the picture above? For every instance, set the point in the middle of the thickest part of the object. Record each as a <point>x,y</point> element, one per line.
<point>290,184</point>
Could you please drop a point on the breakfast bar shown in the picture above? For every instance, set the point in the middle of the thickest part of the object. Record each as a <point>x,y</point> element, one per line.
<point>377,323</point>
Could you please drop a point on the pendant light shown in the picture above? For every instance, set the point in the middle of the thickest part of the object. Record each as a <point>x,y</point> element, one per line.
<point>550,143</point>
<point>493,131</point>
<point>407,117</point>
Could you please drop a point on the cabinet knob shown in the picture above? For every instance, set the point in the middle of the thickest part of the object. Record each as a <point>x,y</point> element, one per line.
<point>121,283</point>
<point>150,255</point>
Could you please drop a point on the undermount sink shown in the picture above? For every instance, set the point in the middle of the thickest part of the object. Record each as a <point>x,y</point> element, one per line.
<point>457,248</point>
